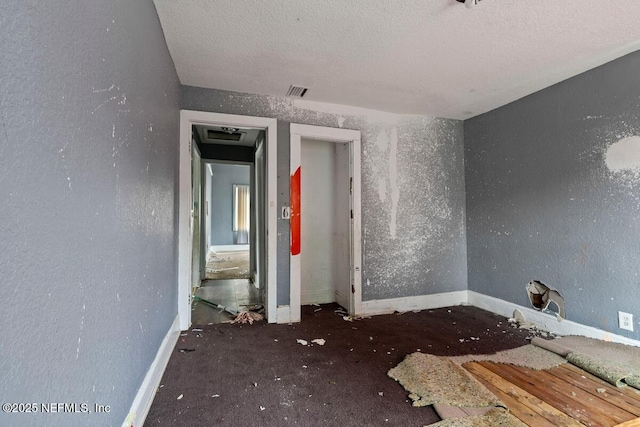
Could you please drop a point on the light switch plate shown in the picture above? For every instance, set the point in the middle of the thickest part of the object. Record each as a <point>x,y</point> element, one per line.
<point>286,212</point>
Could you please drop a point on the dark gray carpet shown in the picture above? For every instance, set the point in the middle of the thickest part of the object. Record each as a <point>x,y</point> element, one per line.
<point>259,375</point>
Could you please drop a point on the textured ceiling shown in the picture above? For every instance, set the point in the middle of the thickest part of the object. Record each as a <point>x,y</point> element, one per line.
<point>432,57</point>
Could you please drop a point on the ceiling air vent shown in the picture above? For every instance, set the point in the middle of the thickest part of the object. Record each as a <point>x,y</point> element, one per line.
<point>296,91</point>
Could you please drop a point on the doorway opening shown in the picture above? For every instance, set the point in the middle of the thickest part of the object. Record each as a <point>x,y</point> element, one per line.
<point>227,205</point>
<point>228,220</point>
<point>325,218</point>
<point>230,212</point>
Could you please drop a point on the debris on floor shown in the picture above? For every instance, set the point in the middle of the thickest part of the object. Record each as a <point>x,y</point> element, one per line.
<point>216,305</point>
<point>248,317</point>
<point>319,341</point>
<point>519,321</point>
<point>216,258</point>
<point>186,350</point>
<point>302,342</point>
<point>180,397</point>
<point>218,270</point>
<point>251,313</point>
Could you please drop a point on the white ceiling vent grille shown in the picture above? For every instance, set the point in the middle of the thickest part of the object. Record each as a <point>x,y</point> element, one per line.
<point>296,91</point>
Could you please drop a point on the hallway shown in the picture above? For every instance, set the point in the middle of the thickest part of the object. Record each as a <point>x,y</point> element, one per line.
<point>233,293</point>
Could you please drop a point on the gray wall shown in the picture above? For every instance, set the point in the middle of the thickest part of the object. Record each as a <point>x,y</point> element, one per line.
<point>414,244</point>
<point>542,202</point>
<point>224,176</point>
<point>88,147</point>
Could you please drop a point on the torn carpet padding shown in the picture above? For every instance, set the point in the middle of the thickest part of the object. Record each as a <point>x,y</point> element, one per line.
<point>618,364</point>
<point>528,356</point>
<point>432,379</point>
<point>494,417</point>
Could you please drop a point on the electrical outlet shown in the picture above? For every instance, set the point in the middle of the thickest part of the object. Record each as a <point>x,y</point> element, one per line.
<point>625,321</point>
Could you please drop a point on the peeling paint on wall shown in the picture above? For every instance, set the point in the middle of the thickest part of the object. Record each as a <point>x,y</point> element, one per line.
<point>382,188</point>
<point>86,181</point>
<point>393,179</point>
<point>412,190</point>
<point>559,171</point>
<point>382,141</point>
<point>372,116</point>
<point>624,155</point>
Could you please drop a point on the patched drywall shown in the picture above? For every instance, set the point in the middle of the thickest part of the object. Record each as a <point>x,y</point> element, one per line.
<point>624,155</point>
<point>88,165</point>
<point>413,206</point>
<point>553,192</point>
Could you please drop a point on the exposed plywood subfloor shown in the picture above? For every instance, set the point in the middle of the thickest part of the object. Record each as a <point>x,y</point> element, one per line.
<point>560,396</point>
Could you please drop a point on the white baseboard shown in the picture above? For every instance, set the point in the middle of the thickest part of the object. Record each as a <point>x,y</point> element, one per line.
<point>325,296</point>
<point>147,391</point>
<point>542,320</point>
<point>545,321</point>
<point>283,314</point>
<point>420,302</point>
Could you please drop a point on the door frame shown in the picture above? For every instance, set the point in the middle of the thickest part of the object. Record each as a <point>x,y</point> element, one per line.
<point>329,135</point>
<point>188,118</point>
<point>195,152</point>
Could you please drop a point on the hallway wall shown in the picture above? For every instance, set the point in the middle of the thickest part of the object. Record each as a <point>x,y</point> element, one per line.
<point>89,128</point>
<point>413,196</point>
<point>222,181</point>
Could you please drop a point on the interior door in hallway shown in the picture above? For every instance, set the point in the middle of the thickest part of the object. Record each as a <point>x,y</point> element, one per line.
<point>196,197</point>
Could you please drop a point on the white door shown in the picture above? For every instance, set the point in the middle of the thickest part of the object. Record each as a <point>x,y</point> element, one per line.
<point>260,210</point>
<point>196,207</point>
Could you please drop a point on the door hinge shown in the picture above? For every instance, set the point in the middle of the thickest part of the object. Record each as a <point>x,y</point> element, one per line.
<point>351,213</point>
<point>351,185</point>
<point>353,289</point>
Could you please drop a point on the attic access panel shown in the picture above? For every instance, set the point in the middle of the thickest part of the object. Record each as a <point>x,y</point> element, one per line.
<point>227,135</point>
<point>217,135</point>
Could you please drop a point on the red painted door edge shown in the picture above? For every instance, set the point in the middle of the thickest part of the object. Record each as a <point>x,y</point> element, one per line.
<point>295,212</point>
